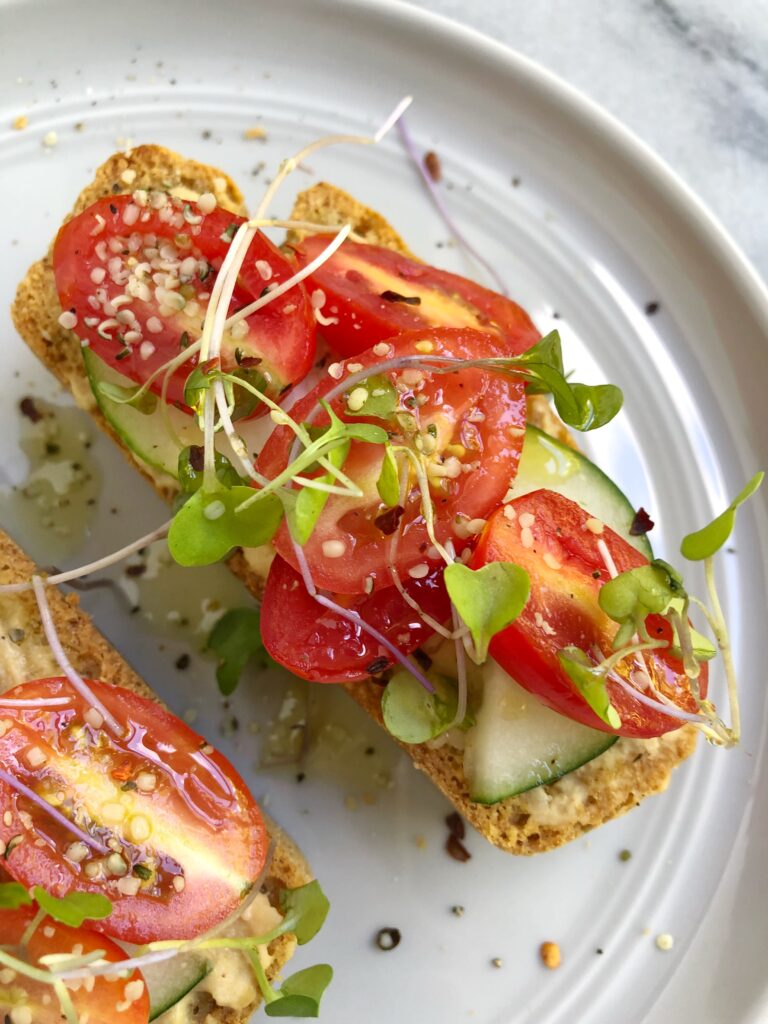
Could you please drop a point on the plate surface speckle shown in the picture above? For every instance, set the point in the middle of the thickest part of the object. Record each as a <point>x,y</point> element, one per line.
<point>592,233</point>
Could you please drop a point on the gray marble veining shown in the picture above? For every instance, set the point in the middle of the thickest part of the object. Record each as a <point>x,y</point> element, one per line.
<point>690,77</point>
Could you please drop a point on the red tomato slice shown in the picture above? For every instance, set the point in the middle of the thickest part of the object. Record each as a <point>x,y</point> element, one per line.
<point>190,836</point>
<point>550,537</point>
<point>372,293</point>
<point>473,423</point>
<point>316,644</point>
<point>119,999</point>
<point>138,280</point>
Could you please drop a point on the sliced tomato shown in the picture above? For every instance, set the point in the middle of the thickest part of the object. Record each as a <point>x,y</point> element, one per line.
<point>322,646</point>
<point>472,425</point>
<point>108,999</point>
<point>138,279</point>
<point>559,544</point>
<point>367,293</point>
<point>188,836</point>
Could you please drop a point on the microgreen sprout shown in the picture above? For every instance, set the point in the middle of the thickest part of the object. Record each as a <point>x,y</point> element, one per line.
<point>236,640</point>
<point>488,599</point>
<point>658,589</point>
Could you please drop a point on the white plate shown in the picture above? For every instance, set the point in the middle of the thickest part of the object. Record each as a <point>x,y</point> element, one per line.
<point>596,229</point>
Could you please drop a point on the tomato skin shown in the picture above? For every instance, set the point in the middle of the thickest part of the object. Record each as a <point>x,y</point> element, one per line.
<point>100,1004</point>
<point>563,610</point>
<point>204,824</point>
<point>482,410</point>
<point>355,277</point>
<point>285,342</point>
<point>318,645</point>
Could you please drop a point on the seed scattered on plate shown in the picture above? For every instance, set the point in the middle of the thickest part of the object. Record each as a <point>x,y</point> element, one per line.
<point>625,855</point>
<point>388,938</point>
<point>497,962</point>
<point>457,911</point>
<point>550,955</point>
<point>664,942</point>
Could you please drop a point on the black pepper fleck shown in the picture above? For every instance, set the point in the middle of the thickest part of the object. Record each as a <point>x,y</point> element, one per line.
<point>182,662</point>
<point>388,938</point>
<point>651,308</point>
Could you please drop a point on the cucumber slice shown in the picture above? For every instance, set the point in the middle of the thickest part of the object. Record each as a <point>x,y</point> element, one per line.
<point>517,743</point>
<point>146,434</point>
<point>547,463</point>
<point>168,982</point>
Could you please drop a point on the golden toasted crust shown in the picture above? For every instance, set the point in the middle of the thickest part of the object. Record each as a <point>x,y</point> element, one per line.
<point>539,820</point>
<point>332,207</point>
<point>95,658</point>
<point>36,308</point>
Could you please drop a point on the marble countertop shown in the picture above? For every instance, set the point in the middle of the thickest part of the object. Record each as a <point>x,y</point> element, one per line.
<point>690,77</point>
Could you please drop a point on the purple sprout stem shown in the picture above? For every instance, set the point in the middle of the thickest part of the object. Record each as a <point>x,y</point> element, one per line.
<point>30,794</point>
<point>437,199</point>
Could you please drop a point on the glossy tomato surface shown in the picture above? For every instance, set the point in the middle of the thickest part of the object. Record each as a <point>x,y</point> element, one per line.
<point>563,549</point>
<point>107,999</point>
<point>189,837</point>
<point>371,293</point>
<point>317,644</point>
<point>464,428</point>
<point>138,279</point>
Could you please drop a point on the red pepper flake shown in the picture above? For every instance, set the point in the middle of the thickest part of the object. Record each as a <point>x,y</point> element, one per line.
<point>28,408</point>
<point>641,524</point>
<point>196,457</point>
<point>453,844</point>
<point>456,849</point>
<point>388,521</point>
<point>135,570</point>
<point>456,825</point>
<point>432,165</point>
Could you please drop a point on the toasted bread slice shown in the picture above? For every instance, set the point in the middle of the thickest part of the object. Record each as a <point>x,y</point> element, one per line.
<point>95,658</point>
<point>539,820</point>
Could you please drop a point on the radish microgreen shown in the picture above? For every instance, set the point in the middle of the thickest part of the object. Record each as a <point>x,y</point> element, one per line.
<point>488,599</point>
<point>74,908</point>
<point>388,483</point>
<point>236,640</point>
<point>590,684</point>
<point>300,994</point>
<point>707,541</point>
<point>213,522</point>
<point>411,714</point>
<point>13,895</point>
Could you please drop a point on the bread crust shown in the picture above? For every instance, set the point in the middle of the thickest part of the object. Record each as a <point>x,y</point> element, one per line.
<point>539,820</point>
<point>95,658</point>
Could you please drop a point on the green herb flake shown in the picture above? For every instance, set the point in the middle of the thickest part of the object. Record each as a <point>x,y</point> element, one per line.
<point>488,599</point>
